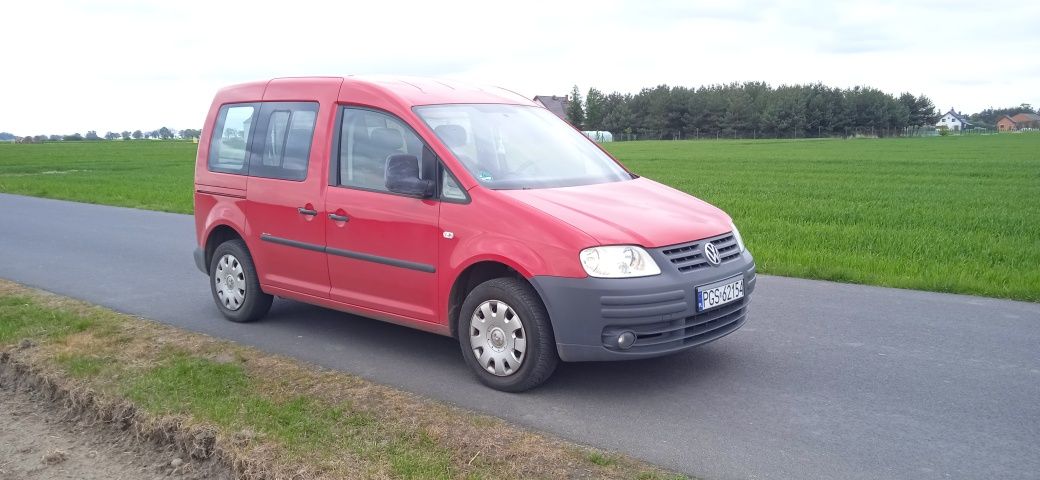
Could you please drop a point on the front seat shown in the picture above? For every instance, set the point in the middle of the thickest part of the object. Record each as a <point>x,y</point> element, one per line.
<point>454,137</point>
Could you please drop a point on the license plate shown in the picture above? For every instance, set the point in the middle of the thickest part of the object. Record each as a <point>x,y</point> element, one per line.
<point>719,293</point>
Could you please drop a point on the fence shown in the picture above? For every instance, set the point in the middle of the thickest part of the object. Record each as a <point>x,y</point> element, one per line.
<point>848,132</point>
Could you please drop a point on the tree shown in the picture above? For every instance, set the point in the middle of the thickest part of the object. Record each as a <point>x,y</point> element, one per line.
<point>594,109</point>
<point>55,138</point>
<point>137,134</point>
<point>75,137</point>
<point>190,133</point>
<point>125,134</point>
<point>7,136</point>
<point>165,133</point>
<point>649,111</point>
<point>923,113</point>
<point>111,136</point>
<point>39,138</point>
<point>92,135</point>
<point>617,117</point>
<point>575,110</point>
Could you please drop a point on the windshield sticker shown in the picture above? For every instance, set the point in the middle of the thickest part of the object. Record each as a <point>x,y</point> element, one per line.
<point>485,176</point>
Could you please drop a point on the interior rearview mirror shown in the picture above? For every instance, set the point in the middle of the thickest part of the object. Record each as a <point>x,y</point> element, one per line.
<point>402,176</point>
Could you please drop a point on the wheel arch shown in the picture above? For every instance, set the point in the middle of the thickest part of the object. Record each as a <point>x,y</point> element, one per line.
<point>477,272</point>
<point>219,234</point>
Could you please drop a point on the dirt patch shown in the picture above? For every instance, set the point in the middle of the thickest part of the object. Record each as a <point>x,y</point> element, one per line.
<point>40,439</point>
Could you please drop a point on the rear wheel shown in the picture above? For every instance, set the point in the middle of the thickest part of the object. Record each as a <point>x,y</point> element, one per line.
<point>505,335</point>
<point>235,285</point>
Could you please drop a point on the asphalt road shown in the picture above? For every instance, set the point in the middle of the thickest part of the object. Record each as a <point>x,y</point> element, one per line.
<point>826,380</point>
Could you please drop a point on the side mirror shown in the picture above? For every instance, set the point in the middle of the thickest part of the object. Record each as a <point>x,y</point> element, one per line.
<point>402,176</point>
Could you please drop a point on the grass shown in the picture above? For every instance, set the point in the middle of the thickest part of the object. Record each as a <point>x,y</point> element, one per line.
<point>20,318</point>
<point>949,214</point>
<point>600,459</point>
<point>81,366</point>
<point>298,420</point>
<point>153,175</point>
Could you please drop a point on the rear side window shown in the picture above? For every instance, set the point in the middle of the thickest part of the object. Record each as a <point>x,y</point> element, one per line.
<point>228,148</point>
<point>282,145</point>
<point>367,139</point>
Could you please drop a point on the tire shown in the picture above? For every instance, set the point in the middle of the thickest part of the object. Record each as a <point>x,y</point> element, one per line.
<point>237,294</point>
<point>493,356</point>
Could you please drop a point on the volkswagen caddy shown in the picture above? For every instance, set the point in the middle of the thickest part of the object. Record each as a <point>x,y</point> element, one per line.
<point>463,211</point>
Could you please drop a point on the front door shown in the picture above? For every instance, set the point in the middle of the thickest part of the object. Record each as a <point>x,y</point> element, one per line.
<point>381,247</point>
<point>285,208</point>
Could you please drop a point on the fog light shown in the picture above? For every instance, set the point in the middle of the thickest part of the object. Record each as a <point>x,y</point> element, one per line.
<point>625,340</point>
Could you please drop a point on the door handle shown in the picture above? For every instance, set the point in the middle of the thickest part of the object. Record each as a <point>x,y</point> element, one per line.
<point>307,211</point>
<point>339,218</point>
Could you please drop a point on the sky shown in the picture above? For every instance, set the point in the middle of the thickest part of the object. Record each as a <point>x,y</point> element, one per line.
<point>114,65</point>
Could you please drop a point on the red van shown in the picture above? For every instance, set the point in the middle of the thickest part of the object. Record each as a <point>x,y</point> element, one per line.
<point>462,211</point>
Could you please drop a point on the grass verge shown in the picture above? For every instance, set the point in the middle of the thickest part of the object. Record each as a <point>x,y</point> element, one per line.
<point>266,416</point>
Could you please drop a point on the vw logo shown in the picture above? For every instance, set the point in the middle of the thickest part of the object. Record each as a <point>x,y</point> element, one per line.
<point>711,253</point>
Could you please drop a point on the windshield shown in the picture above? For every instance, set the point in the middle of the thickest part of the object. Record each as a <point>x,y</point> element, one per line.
<point>519,147</point>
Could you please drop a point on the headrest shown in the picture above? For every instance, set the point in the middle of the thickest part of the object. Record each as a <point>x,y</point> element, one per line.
<point>452,135</point>
<point>360,136</point>
<point>387,138</point>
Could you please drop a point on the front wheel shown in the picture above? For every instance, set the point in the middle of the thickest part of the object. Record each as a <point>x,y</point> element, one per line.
<point>505,335</point>
<point>235,285</point>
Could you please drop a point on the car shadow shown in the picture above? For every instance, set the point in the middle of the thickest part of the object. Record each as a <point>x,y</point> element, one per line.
<point>384,345</point>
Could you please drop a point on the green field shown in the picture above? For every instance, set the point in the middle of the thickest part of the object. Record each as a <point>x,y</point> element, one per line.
<point>951,214</point>
<point>146,174</point>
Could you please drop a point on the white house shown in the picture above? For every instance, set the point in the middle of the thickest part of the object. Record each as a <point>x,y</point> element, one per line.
<point>953,121</point>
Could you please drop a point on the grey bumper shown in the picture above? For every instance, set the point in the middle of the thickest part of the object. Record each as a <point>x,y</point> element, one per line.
<point>589,313</point>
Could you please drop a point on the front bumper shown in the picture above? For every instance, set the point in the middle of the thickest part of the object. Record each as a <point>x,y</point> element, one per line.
<point>589,313</point>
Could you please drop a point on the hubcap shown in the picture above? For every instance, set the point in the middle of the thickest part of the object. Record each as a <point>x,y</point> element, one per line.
<point>497,337</point>
<point>230,282</point>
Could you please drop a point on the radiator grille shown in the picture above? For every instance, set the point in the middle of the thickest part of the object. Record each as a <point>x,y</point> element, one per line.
<point>689,257</point>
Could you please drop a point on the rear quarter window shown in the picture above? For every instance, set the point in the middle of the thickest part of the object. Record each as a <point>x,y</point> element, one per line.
<point>228,148</point>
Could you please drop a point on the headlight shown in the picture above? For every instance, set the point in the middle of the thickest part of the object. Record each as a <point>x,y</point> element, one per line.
<point>618,261</point>
<point>736,235</point>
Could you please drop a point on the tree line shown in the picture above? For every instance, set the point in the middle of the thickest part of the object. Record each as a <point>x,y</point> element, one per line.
<point>747,110</point>
<point>163,133</point>
<point>750,110</point>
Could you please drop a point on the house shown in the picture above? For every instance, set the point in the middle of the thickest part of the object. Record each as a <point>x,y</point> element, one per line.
<point>1006,124</point>
<point>555,104</point>
<point>953,121</point>
<point>1018,122</point>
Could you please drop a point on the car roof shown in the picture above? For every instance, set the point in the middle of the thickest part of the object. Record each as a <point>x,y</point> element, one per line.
<point>410,91</point>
